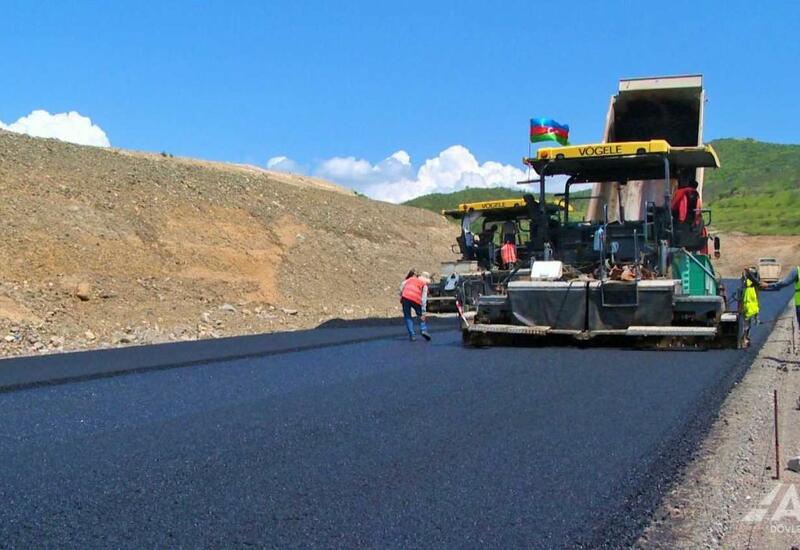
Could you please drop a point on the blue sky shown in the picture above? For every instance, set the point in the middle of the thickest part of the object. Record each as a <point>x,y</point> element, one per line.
<point>313,81</point>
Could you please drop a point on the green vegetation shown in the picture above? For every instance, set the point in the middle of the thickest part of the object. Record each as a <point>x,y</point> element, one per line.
<point>756,191</point>
<point>445,201</point>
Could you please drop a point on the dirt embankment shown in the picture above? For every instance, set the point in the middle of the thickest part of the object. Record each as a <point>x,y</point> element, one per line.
<point>740,250</point>
<point>107,247</point>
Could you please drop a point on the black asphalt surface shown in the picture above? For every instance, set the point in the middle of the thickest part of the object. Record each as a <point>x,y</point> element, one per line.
<point>21,372</point>
<point>384,443</point>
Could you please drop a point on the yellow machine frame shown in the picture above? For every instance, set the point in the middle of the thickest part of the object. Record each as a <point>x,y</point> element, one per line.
<point>702,156</point>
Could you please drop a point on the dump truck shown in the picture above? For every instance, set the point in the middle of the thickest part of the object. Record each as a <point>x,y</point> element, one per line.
<point>769,270</point>
<point>668,108</point>
<point>630,268</point>
<point>485,226</point>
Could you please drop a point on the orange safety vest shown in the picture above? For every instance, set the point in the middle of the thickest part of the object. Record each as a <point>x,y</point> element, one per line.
<point>412,289</point>
<point>508,253</point>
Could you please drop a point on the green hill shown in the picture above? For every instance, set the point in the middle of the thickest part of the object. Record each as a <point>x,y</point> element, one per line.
<point>756,190</point>
<point>445,201</point>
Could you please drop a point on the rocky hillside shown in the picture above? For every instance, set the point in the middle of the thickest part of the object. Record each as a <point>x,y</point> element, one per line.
<point>107,247</point>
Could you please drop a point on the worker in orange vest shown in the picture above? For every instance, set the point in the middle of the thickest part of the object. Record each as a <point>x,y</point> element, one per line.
<point>414,296</point>
<point>508,254</point>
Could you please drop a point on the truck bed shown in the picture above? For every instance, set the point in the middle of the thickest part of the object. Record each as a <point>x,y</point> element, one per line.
<point>669,108</point>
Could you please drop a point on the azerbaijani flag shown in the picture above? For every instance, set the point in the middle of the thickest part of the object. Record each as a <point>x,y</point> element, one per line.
<point>547,129</point>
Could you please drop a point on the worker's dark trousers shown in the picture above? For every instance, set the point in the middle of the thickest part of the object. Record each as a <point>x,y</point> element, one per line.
<point>408,305</point>
<point>748,325</point>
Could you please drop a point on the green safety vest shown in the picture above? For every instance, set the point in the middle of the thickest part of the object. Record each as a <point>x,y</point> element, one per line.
<point>797,288</point>
<point>749,299</point>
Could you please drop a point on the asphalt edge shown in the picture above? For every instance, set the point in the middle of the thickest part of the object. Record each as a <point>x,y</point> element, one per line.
<point>674,454</point>
<point>661,535</point>
<point>20,373</point>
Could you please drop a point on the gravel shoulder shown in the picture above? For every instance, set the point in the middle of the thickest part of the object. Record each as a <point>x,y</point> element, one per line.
<point>727,496</point>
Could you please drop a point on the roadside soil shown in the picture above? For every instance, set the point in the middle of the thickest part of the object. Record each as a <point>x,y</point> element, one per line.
<point>728,496</point>
<point>740,251</point>
<point>105,247</point>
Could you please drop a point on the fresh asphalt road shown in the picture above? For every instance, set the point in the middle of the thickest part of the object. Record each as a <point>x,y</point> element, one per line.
<point>383,443</point>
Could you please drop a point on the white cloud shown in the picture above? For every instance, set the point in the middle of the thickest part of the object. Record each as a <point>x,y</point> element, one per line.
<point>285,164</point>
<point>276,161</point>
<point>402,157</point>
<point>72,127</point>
<point>394,179</point>
<point>361,174</point>
<point>456,168</point>
<point>346,168</point>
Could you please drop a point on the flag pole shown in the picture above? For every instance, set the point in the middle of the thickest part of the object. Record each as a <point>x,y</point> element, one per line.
<point>530,147</point>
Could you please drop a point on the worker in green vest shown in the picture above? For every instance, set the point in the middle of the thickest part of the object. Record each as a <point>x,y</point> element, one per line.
<point>793,278</point>
<point>750,307</point>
